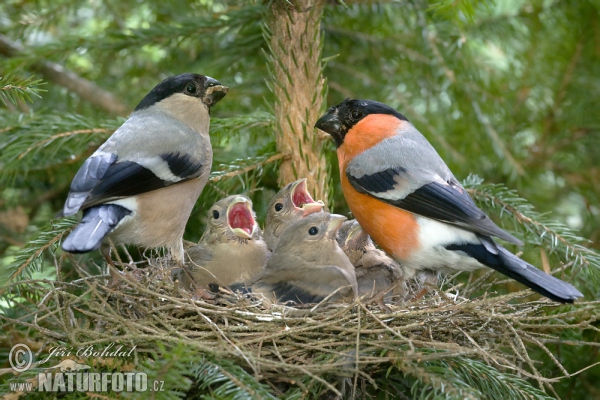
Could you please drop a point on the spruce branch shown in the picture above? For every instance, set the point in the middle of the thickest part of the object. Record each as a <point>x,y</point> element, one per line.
<point>41,141</point>
<point>240,167</point>
<point>432,382</point>
<point>225,379</point>
<point>169,365</point>
<point>63,135</point>
<point>14,89</point>
<point>30,258</point>
<point>225,130</point>
<point>456,10</point>
<point>170,32</point>
<point>39,15</point>
<point>484,381</point>
<point>61,76</point>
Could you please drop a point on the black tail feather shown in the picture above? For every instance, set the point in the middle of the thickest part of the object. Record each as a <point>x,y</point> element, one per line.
<point>539,281</point>
<point>97,222</point>
<point>512,266</point>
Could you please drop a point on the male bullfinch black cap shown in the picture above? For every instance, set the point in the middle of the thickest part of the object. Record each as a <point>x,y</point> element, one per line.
<point>338,120</point>
<point>207,89</point>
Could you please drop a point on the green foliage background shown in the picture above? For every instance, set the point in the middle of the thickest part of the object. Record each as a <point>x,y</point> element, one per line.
<point>507,90</point>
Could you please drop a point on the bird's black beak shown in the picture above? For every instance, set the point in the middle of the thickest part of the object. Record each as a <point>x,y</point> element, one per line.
<point>213,91</point>
<point>331,124</point>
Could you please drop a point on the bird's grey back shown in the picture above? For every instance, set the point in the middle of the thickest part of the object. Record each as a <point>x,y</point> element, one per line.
<point>408,149</point>
<point>161,132</point>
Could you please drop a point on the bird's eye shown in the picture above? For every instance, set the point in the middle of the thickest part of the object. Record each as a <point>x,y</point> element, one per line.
<point>356,113</point>
<point>331,109</point>
<point>191,88</point>
<point>278,207</point>
<point>313,230</point>
<point>216,214</point>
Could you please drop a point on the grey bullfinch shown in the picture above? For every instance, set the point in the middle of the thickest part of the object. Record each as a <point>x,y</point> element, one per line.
<point>231,248</point>
<point>289,205</point>
<point>140,186</point>
<point>308,265</point>
<point>405,197</point>
<point>376,272</point>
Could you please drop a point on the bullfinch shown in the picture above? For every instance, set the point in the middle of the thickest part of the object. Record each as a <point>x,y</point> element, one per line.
<point>376,272</point>
<point>140,186</point>
<point>289,205</point>
<point>231,248</point>
<point>308,265</point>
<point>404,195</point>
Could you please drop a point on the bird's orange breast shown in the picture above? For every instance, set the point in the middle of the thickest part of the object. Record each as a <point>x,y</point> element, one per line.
<point>393,229</point>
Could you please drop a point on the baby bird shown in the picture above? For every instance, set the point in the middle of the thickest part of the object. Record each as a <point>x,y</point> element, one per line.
<point>376,273</point>
<point>290,204</point>
<point>308,265</point>
<point>230,250</point>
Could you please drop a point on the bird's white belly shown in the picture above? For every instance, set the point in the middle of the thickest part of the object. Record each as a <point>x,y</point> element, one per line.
<point>432,255</point>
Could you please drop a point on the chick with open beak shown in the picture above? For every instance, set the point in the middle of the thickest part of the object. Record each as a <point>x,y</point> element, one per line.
<point>289,205</point>
<point>308,265</point>
<point>378,276</point>
<point>230,250</point>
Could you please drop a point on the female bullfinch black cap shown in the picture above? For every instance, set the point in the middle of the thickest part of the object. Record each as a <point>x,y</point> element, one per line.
<point>208,89</point>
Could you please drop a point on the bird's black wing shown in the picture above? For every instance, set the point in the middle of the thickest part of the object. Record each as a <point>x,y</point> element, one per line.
<point>443,201</point>
<point>104,177</point>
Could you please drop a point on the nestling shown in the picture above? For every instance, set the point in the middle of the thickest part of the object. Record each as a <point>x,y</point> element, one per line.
<point>308,265</point>
<point>290,204</point>
<point>231,248</point>
<point>376,273</point>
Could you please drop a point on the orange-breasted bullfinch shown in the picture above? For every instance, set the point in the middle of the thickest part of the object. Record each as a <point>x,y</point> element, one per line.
<point>230,250</point>
<point>140,186</point>
<point>289,205</point>
<point>376,272</point>
<point>308,265</point>
<point>403,194</point>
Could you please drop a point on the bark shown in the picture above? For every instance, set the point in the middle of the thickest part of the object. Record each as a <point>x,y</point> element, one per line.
<point>59,75</point>
<point>295,42</point>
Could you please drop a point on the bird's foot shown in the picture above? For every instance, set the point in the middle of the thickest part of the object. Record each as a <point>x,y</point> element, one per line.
<point>203,294</point>
<point>382,305</point>
<point>419,295</point>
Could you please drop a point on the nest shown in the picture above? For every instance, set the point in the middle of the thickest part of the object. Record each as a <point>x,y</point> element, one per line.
<point>281,345</point>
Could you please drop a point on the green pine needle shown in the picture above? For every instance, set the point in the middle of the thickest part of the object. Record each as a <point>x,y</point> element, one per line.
<point>223,379</point>
<point>14,89</point>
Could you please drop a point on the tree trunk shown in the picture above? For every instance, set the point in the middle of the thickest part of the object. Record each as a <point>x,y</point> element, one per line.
<point>298,86</point>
